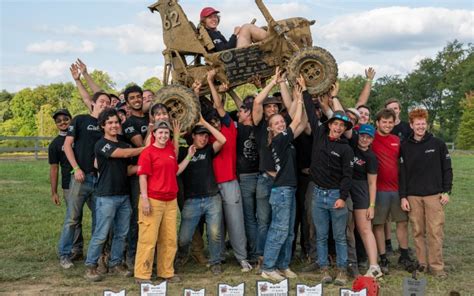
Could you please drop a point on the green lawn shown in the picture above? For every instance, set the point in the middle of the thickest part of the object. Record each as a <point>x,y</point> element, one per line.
<point>30,226</point>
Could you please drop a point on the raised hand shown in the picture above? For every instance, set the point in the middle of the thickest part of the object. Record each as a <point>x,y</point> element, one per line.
<point>76,75</point>
<point>370,73</point>
<point>82,67</point>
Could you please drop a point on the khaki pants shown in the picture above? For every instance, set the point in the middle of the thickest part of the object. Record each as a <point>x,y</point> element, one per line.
<point>427,220</point>
<point>157,232</point>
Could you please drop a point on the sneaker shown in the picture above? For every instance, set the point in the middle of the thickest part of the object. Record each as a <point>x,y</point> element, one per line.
<point>310,267</point>
<point>422,268</point>
<point>384,266</point>
<point>258,267</point>
<point>288,273</point>
<point>142,281</point>
<point>92,274</point>
<point>65,262</point>
<point>439,274</point>
<point>246,267</point>
<point>272,275</point>
<point>326,276</point>
<point>407,263</point>
<point>353,270</point>
<point>120,270</point>
<point>374,271</point>
<point>102,266</point>
<point>341,278</point>
<point>199,258</point>
<point>174,279</point>
<point>216,269</point>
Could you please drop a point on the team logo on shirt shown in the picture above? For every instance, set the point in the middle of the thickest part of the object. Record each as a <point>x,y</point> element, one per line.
<point>335,153</point>
<point>359,162</point>
<point>144,129</point>
<point>70,128</point>
<point>92,127</point>
<point>198,157</point>
<point>129,130</point>
<point>106,148</point>
<point>429,151</point>
<point>217,41</point>
<point>394,144</point>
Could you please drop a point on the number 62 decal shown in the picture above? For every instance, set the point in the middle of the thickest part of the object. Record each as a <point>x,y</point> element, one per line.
<point>171,20</point>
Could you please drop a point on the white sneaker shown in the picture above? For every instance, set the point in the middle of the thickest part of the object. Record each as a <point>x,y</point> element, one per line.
<point>374,271</point>
<point>288,273</point>
<point>272,275</point>
<point>65,262</point>
<point>246,267</point>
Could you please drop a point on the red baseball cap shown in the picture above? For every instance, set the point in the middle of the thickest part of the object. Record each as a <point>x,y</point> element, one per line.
<point>207,11</point>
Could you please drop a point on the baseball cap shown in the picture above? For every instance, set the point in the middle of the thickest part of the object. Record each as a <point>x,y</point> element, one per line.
<point>207,11</point>
<point>341,115</point>
<point>355,112</point>
<point>61,112</point>
<point>271,100</point>
<point>161,124</point>
<point>200,129</point>
<point>367,129</point>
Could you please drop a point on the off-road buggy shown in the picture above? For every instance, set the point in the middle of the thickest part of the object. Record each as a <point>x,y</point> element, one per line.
<point>189,56</point>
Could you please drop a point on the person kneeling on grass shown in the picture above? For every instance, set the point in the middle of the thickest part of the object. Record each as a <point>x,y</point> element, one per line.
<point>157,170</point>
<point>112,206</point>
<point>278,246</point>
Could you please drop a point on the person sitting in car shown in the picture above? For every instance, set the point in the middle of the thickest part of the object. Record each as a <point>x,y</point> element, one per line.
<point>243,35</point>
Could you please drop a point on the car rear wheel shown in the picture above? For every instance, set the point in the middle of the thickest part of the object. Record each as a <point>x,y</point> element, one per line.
<point>318,67</point>
<point>182,104</point>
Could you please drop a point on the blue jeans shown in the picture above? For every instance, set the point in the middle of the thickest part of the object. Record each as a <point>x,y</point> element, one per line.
<point>281,232</point>
<point>323,214</point>
<point>112,212</point>
<point>248,190</point>
<point>132,237</point>
<point>79,194</point>
<point>264,211</point>
<point>194,208</point>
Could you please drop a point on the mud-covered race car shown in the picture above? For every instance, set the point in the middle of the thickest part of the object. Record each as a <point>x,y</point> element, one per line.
<point>189,56</point>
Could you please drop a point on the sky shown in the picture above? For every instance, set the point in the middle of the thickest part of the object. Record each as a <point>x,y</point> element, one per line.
<point>40,39</point>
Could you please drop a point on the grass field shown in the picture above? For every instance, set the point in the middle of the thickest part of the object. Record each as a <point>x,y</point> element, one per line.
<point>30,226</point>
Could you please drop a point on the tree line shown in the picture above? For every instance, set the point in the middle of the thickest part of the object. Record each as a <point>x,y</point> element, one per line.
<point>444,85</point>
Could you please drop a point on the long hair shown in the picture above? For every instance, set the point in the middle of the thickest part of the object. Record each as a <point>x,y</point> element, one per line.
<point>269,129</point>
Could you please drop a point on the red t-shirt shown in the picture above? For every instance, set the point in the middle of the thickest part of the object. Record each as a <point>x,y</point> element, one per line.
<point>225,162</point>
<point>161,166</point>
<point>387,150</point>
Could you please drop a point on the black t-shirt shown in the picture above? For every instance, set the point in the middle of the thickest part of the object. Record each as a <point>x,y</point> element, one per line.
<point>86,132</point>
<point>365,162</point>
<point>266,162</point>
<point>56,155</point>
<point>402,130</point>
<point>303,146</point>
<point>112,171</point>
<point>247,152</point>
<point>284,155</point>
<point>135,126</point>
<point>198,177</point>
<point>220,42</point>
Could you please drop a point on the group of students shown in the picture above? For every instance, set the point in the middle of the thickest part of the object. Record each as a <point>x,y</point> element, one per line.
<point>284,162</point>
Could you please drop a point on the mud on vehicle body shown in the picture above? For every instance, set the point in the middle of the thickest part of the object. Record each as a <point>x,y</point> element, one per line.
<point>189,55</point>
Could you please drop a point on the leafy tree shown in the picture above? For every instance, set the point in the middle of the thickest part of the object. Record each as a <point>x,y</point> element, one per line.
<point>153,84</point>
<point>350,88</point>
<point>465,136</point>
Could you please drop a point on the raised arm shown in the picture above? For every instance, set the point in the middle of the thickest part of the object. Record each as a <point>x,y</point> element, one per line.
<point>295,123</point>
<point>257,111</point>
<point>83,68</point>
<point>184,163</point>
<point>309,105</point>
<point>237,99</point>
<point>285,92</point>
<point>220,139</point>
<point>86,97</point>
<point>216,98</point>
<point>365,93</point>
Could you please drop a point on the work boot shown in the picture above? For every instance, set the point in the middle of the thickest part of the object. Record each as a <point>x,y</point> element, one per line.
<point>341,278</point>
<point>120,270</point>
<point>92,274</point>
<point>102,266</point>
<point>216,269</point>
<point>288,273</point>
<point>326,276</point>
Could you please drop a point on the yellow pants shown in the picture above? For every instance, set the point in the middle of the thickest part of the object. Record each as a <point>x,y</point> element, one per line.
<point>156,231</point>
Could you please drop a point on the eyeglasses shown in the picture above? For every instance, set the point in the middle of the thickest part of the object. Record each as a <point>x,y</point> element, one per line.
<point>62,119</point>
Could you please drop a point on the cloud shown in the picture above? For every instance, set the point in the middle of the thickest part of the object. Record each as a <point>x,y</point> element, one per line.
<point>137,74</point>
<point>398,28</point>
<point>55,47</point>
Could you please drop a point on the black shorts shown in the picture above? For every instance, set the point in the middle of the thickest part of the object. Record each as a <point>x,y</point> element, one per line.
<point>360,194</point>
